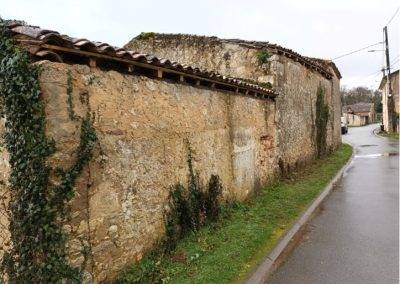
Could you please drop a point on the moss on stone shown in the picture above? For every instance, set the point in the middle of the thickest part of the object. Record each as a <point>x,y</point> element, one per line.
<point>145,35</point>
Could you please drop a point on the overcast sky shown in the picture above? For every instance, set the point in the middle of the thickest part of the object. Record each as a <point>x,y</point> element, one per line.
<point>324,29</point>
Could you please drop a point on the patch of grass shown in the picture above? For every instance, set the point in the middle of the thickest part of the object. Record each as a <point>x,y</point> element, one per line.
<point>228,250</point>
<point>355,126</point>
<point>391,135</point>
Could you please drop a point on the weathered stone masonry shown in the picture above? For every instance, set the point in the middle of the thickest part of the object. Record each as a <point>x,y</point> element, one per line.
<point>297,78</point>
<point>144,125</point>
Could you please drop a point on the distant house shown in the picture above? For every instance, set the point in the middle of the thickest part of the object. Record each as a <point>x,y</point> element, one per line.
<point>359,114</point>
<point>390,105</point>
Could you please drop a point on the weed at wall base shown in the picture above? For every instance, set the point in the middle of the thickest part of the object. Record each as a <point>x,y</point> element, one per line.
<point>190,209</point>
<point>193,207</point>
<point>227,250</point>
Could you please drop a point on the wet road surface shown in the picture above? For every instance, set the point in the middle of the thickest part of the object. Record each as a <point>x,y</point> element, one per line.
<point>355,237</point>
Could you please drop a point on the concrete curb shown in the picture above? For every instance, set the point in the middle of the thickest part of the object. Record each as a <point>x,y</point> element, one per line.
<point>266,267</point>
<point>376,131</point>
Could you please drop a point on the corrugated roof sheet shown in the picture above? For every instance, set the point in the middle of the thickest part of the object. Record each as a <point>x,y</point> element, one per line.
<point>51,45</point>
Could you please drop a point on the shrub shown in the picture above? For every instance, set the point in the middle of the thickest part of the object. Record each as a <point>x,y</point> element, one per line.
<point>212,205</point>
<point>191,208</point>
<point>262,56</point>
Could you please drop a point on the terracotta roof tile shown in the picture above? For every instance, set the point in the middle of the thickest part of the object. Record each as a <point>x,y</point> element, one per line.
<point>48,41</point>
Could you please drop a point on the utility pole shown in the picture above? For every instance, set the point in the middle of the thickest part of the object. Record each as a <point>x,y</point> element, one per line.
<point>387,60</point>
<point>391,125</point>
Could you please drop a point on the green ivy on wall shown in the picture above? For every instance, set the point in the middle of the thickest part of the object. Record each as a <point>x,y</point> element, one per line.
<point>321,121</point>
<point>70,104</point>
<point>36,210</point>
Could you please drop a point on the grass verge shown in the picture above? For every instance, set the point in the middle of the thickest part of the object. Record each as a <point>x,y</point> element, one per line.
<point>227,251</point>
<point>355,126</point>
<point>392,135</point>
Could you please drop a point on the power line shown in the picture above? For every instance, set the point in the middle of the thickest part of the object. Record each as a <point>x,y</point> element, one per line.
<point>394,15</point>
<point>358,50</point>
<point>391,65</point>
<point>394,59</point>
<point>374,74</point>
<point>361,49</point>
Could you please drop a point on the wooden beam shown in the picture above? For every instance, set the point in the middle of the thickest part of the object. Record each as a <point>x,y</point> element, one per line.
<point>29,41</point>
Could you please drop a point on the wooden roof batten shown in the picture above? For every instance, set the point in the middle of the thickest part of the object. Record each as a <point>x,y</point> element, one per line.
<point>50,45</point>
<point>158,69</point>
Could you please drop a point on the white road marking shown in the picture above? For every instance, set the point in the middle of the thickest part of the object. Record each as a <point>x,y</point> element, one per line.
<point>375,155</point>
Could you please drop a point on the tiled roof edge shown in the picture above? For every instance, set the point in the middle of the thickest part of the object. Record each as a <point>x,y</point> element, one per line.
<point>384,78</point>
<point>311,63</point>
<point>48,44</point>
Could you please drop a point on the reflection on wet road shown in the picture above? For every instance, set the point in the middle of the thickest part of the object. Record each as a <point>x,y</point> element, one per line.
<point>355,238</point>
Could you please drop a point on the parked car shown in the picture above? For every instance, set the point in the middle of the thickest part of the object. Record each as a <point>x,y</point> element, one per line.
<point>343,124</point>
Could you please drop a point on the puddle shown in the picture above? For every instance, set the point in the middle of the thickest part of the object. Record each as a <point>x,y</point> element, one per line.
<point>368,145</point>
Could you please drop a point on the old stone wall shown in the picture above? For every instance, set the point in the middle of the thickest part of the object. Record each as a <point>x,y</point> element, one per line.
<point>144,128</point>
<point>356,120</point>
<point>387,119</point>
<point>297,84</point>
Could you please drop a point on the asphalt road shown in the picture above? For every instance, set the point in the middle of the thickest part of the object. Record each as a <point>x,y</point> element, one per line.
<point>355,237</point>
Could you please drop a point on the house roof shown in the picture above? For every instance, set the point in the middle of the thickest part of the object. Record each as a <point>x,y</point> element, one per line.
<point>316,64</point>
<point>358,107</point>
<point>383,81</point>
<point>51,45</point>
